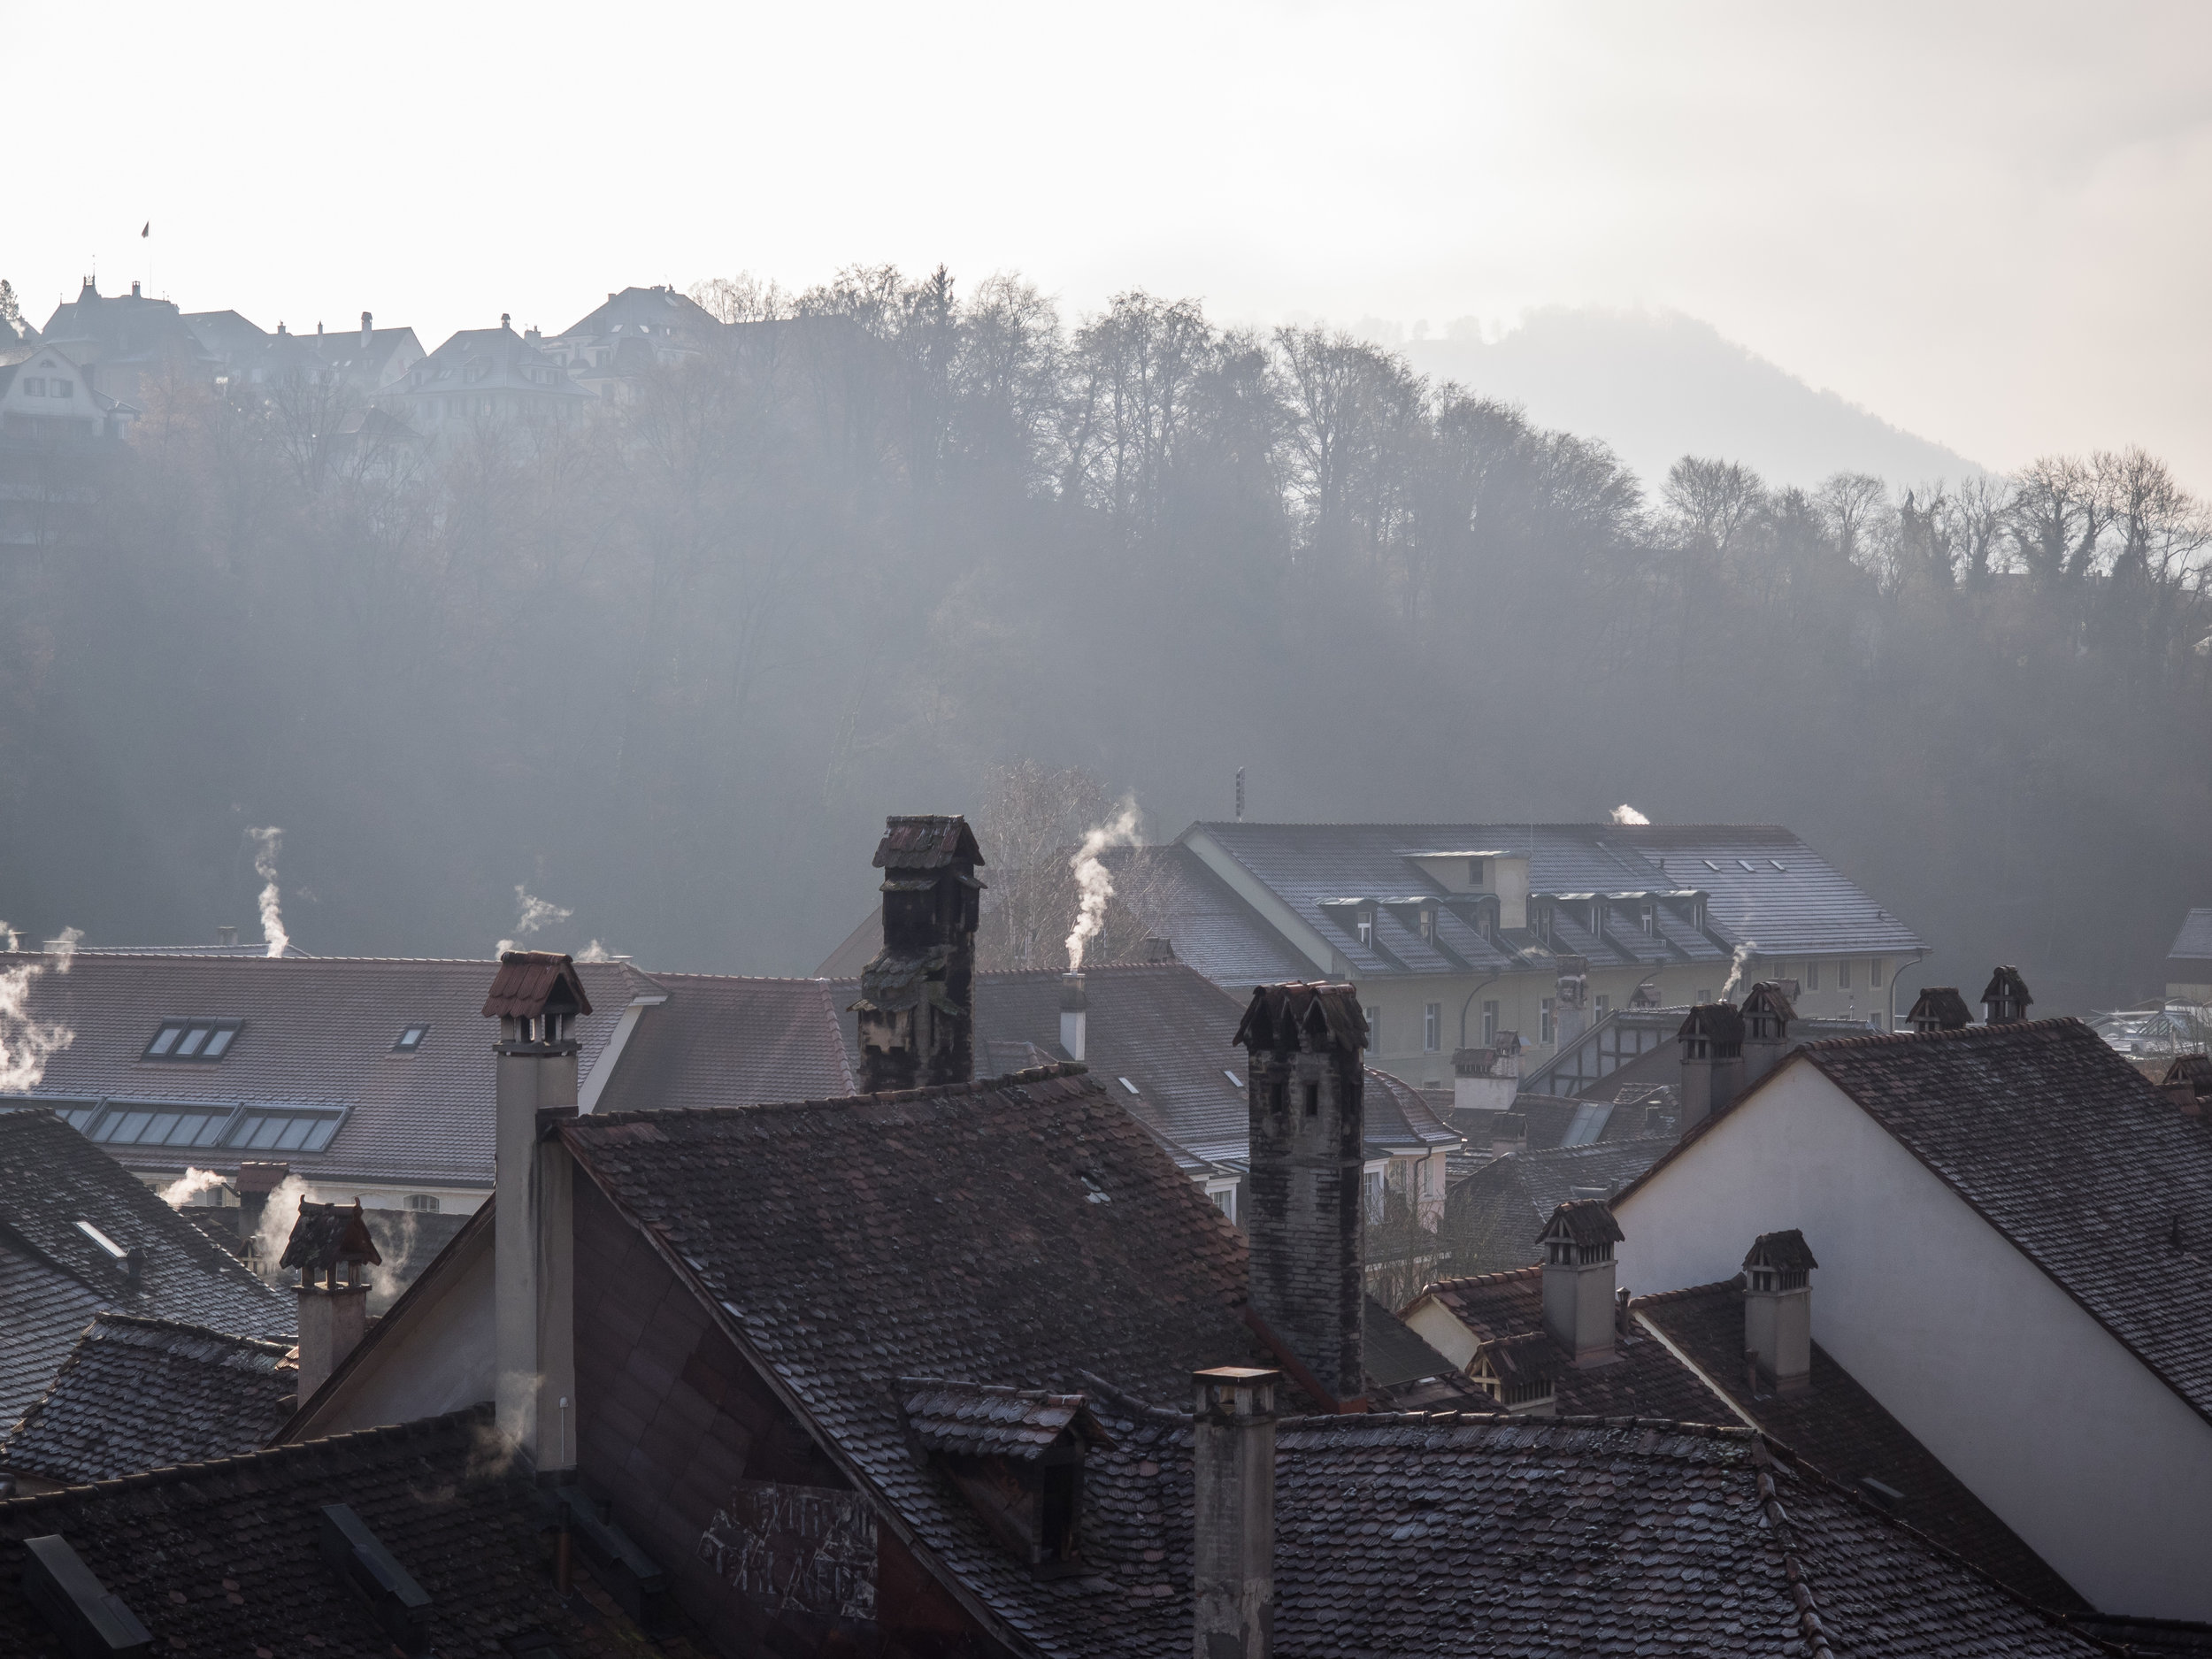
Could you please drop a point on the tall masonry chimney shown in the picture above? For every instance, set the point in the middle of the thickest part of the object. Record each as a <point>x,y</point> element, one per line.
<point>1712,1061</point>
<point>916,1003</point>
<point>2006,999</point>
<point>1305,1095</point>
<point>1767,1014</point>
<point>1777,1309</point>
<point>334,1316</point>
<point>1579,1310</point>
<point>1232,1513</point>
<point>366,331</point>
<point>1075,1015</point>
<point>537,998</point>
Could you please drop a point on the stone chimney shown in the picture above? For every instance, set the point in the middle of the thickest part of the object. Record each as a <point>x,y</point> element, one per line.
<point>917,1004</point>
<point>1579,1310</point>
<point>537,998</point>
<point>1767,1015</point>
<point>1487,1080</point>
<point>365,330</point>
<point>1075,1015</point>
<point>1306,1224</point>
<point>1570,999</point>
<point>1778,1310</point>
<point>325,1240</point>
<point>1232,1513</point>
<point>226,937</point>
<point>2006,999</point>
<point>1712,1061</point>
<point>1940,1007</point>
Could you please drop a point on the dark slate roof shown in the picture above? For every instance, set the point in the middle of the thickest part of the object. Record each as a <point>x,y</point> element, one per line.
<point>2071,1153</point>
<point>987,1421</point>
<point>145,1394</point>
<point>407,1241</point>
<point>1395,1353</point>
<point>1491,1218</point>
<point>1211,926</point>
<point>316,1029</point>
<point>649,311</point>
<point>2193,942</point>
<point>1300,1014</point>
<point>50,1180</point>
<point>722,1041</point>
<point>224,1557</point>
<point>487,360</point>
<point>1842,1430</point>
<point>1398,1116</point>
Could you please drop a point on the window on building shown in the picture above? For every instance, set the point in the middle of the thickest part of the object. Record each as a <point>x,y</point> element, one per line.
<point>1373,1186</point>
<point>1879,1020</point>
<point>1649,917</point>
<point>1489,1024</point>
<point>285,1129</point>
<point>1874,967</point>
<point>425,1201</point>
<point>161,1124</point>
<point>1428,923</point>
<point>1812,974</point>
<point>1226,1201</point>
<point>1545,1021</point>
<point>64,388</point>
<point>1367,927</point>
<point>1843,974</point>
<point>1374,1027</point>
<point>1478,872</point>
<point>1431,1026</point>
<point>410,1038</point>
<point>1310,1094</point>
<point>1605,1006</point>
<point>34,386</point>
<point>202,1039</point>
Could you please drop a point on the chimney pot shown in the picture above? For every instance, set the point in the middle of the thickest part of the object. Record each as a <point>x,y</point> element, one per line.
<point>2005,1000</point>
<point>505,318</point>
<point>1074,1015</point>
<point>916,1007</point>
<point>366,329</point>
<point>1232,1513</point>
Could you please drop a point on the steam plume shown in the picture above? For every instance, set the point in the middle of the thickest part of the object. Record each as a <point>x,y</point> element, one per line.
<point>1627,814</point>
<point>532,914</point>
<point>1737,964</point>
<point>277,1222</point>
<point>25,1043</point>
<point>385,1282</point>
<point>1095,881</point>
<point>268,843</point>
<point>188,1186</point>
<point>595,952</point>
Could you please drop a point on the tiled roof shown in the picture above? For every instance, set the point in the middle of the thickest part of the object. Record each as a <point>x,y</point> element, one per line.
<point>2194,940</point>
<point>721,1041</point>
<point>1399,1115</point>
<point>926,843</point>
<point>315,1029</point>
<point>1843,1431</point>
<point>1212,928</point>
<point>225,1557</point>
<point>1491,1218</point>
<point>1786,1252</point>
<point>528,982</point>
<point>51,1179</point>
<point>145,1394</point>
<point>986,1421</point>
<point>1809,907</point>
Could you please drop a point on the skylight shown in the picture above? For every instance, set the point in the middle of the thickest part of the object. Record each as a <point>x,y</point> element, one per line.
<point>410,1038</point>
<point>257,1126</point>
<point>115,1251</point>
<point>200,1039</point>
<point>1126,1084</point>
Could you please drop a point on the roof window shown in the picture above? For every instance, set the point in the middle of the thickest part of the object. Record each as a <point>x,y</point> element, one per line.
<point>155,1123</point>
<point>86,1615</point>
<point>287,1128</point>
<point>109,1248</point>
<point>1126,1084</point>
<point>197,1039</point>
<point>1710,865</point>
<point>410,1038</point>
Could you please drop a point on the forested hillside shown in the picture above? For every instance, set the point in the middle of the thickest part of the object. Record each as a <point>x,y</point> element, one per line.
<point>669,670</point>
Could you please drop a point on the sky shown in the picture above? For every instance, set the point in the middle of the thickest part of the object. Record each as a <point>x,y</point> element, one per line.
<point>1987,223</point>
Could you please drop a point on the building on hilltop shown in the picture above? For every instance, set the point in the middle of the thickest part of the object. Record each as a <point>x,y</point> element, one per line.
<point>637,331</point>
<point>127,343</point>
<point>485,380</point>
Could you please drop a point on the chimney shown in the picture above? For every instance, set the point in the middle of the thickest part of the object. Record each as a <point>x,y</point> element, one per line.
<point>253,1184</point>
<point>1158,949</point>
<point>226,937</point>
<point>2006,999</point>
<point>2186,1083</point>
<point>1306,1227</point>
<point>917,1004</point>
<point>1075,1015</point>
<point>333,1316</point>
<point>318,330</point>
<point>1571,1000</point>
<point>1579,1307</point>
<point>537,998</point>
<point>1232,1513</point>
<point>366,331</point>
<point>134,293</point>
<point>1487,1080</point>
<point>505,319</point>
<point>1712,1061</point>
<point>1778,1310</point>
<point>1767,1014</point>
<point>1940,1007</point>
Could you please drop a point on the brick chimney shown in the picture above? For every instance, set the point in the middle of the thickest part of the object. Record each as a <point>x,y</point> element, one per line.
<point>1767,1015</point>
<point>1232,1513</point>
<point>1075,1015</point>
<point>1570,999</point>
<point>2006,999</point>
<point>1940,1007</point>
<point>1579,1310</point>
<point>537,998</point>
<point>1712,1061</point>
<point>1305,1096</point>
<point>916,1003</point>
<point>1777,1309</point>
<point>327,1239</point>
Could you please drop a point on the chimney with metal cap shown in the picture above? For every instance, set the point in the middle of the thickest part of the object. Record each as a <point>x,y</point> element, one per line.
<point>1232,1513</point>
<point>1940,1007</point>
<point>1075,1015</point>
<point>366,331</point>
<point>537,998</point>
<point>916,1007</point>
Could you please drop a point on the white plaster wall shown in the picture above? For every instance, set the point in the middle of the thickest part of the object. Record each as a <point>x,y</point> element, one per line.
<point>441,1361</point>
<point>2101,1467</point>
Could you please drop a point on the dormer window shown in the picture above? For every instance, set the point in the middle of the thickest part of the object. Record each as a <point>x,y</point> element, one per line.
<point>201,1040</point>
<point>1016,1455</point>
<point>1649,917</point>
<point>1367,927</point>
<point>1428,923</point>
<point>1543,922</point>
<point>1478,873</point>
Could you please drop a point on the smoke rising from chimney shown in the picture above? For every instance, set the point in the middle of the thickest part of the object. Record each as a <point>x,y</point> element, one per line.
<point>1095,880</point>
<point>188,1186</point>
<point>1627,814</point>
<point>1737,966</point>
<point>268,843</point>
<point>531,915</point>
<point>595,952</point>
<point>277,1222</point>
<point>27,1044</point>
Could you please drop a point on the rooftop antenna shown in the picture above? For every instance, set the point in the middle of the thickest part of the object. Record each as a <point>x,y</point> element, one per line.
<point>1240,794</point>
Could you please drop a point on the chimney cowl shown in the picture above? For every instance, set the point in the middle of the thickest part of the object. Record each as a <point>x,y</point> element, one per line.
<point>2005,1000</point>
<point>1940,1007</point>
<point>1777,1309</point>
<point>1579,1276</point>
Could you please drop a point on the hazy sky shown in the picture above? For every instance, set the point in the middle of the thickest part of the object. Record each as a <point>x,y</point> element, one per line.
<point>1987,223</point>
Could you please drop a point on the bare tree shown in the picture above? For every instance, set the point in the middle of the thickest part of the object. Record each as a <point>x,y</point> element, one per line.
<point>1713,502</point>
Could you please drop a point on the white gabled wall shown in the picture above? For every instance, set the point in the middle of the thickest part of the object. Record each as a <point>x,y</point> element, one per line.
<point>2101,1467</point>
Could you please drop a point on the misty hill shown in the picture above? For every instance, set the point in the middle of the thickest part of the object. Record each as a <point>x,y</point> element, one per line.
<point>1656,386</point>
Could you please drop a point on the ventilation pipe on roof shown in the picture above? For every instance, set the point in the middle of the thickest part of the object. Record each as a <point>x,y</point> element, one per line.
<point>1777,1309</point>
<point>1232,1512</point>
<point>1075,1015</point>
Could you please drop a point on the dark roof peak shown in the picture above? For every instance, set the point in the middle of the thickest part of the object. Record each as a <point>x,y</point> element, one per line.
<point>992,1420</point>
<point>926,842</point>
<point>1285,1017</point>
<point>531,983</point>
<point>1067,1071</point>
<point>325,1235</point>
<point>1786,1252</point>
<point>1583,1221</point>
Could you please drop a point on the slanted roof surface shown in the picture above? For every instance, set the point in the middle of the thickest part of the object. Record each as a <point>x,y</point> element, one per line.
<point>983,1420</point>
<point>1212,927</point>
<point>720,1041</point>
<point>147,1393</point>
<point>225,1557</point>
<point>2194,940</point>
<point>1491,1219</point>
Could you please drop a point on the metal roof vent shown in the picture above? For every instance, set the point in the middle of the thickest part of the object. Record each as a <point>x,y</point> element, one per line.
<point>76,1606</point>
<point>401,1607</point>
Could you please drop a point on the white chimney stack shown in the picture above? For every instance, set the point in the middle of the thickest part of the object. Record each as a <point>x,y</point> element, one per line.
<point>1579,1308</point>
<point>1777,1309</point>
<point>1075,1015</point>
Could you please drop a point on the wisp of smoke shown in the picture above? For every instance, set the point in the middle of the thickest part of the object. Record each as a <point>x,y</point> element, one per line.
<point>267,844</point>
<point>277,1222</point>
<point>1737,963</point>
<point>1627,814</point>
<point>188,1186</point>
<point>27,1043</point>
<point>595,952</point>
<point>534,914</point>
<point>385,1282</point>
<point>1095,880</point>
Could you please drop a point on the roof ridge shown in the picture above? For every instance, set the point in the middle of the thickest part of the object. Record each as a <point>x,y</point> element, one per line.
<point>1660,1297</point>
<point>1062,1070</point>
<point>2050,1026</point>
<point>183,1327</point>
<point>1471,1280</point>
